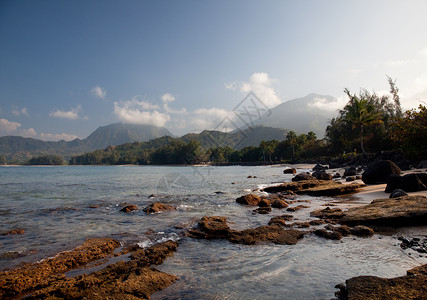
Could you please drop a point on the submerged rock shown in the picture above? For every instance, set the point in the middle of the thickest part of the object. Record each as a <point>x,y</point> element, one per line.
<point>157,208</point>
<point>280,220</point>
<point>332,235</point>
<point>211,228</point>
<point>271,233</point>
<point>217,228</point>
<point>134,279</point>
<point>27,277</point>
<point>14,232</point>
<point>129,208</point>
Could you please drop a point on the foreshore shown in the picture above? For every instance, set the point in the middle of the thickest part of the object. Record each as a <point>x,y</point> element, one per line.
<point>99,265</point>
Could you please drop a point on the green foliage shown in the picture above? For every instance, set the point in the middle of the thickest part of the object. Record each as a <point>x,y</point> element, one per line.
<point>47,160</point>
<point>410,132</point>
<point>364,120</point>
<point>2,160</point>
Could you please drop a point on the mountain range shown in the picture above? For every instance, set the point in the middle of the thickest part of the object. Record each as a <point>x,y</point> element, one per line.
<point>300,115</point>
<point>18,148</point>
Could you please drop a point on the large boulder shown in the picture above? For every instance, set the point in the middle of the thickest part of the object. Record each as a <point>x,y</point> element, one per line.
<point>289,171</point>
<point>379,172</point>
<point>319,167</point>
<point>350,171</point>
<point>303,176</point>
<point>398,193</point>
<point>321,175</point>
<point>408,183</point>
<point>250,199</point>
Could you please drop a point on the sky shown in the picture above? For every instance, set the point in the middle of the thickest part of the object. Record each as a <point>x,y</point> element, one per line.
<point>68,67</point>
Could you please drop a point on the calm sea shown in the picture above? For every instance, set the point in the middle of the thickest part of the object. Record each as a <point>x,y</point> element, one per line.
<point>60,207</point>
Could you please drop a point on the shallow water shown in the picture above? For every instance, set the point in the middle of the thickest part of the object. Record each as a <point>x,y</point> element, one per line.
<point>59,207</point>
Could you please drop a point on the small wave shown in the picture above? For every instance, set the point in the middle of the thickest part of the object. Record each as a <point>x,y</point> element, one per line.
<point>159,237</point>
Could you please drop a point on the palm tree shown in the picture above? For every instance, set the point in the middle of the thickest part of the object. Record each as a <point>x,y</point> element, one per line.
<point>360,112</point>
<point>291,138</point>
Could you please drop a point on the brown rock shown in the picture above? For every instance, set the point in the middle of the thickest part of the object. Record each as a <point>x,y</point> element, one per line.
<point>279,203</point>
<point>332,235</point>
<point>273,233</point>
<point>123,280</point>
<point>295,208</point>
<point>280,220</point>
<point>289,171</point>
<point>14,232</point>
<point>264,202</point>
<point>331,188</point>
<point>361,230</point>
<point>292,186</point>
<point>262,210</point>
<point>394,212</point>
<point>317,222</point>
<point>250,199</point>
<point>158,207</point>
<point>129,208</point>
<point>27,277</point>
<point>303,177</point>
<point>211,228</point>
<point>372,287</point>
<point>327,213</point>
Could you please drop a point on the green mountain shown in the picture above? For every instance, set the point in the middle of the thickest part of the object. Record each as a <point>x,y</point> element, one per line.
<point>237,139</point>
<point>16,148</point>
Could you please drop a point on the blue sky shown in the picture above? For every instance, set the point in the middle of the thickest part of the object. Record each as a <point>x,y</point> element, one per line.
<point>68,67</point>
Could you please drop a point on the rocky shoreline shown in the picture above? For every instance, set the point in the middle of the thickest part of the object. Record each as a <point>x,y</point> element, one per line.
<point>106,269</point>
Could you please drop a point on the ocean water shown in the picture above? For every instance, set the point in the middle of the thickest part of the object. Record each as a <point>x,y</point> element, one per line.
<point>60,207</point>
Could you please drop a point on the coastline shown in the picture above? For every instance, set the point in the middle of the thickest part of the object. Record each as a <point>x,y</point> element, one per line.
<point>360,197</point>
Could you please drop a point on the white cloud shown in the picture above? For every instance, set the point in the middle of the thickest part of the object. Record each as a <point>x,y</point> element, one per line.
<point>231,86</point>
<point>99,92</point>
<point>421,83</point>
<point>18,112</point>
<point>325,104</point>
<point>262,85</point>
<point>73,114</point>
<point>57,137</point>
<point>208,118</point>
<point>167,98</point>
<point>8,126</point>
<point>30,132</point>
<point>140,112</point>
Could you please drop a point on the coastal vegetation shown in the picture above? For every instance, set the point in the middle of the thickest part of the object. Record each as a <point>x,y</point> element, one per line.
<point>50,160</point>
<point>368,123</point>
